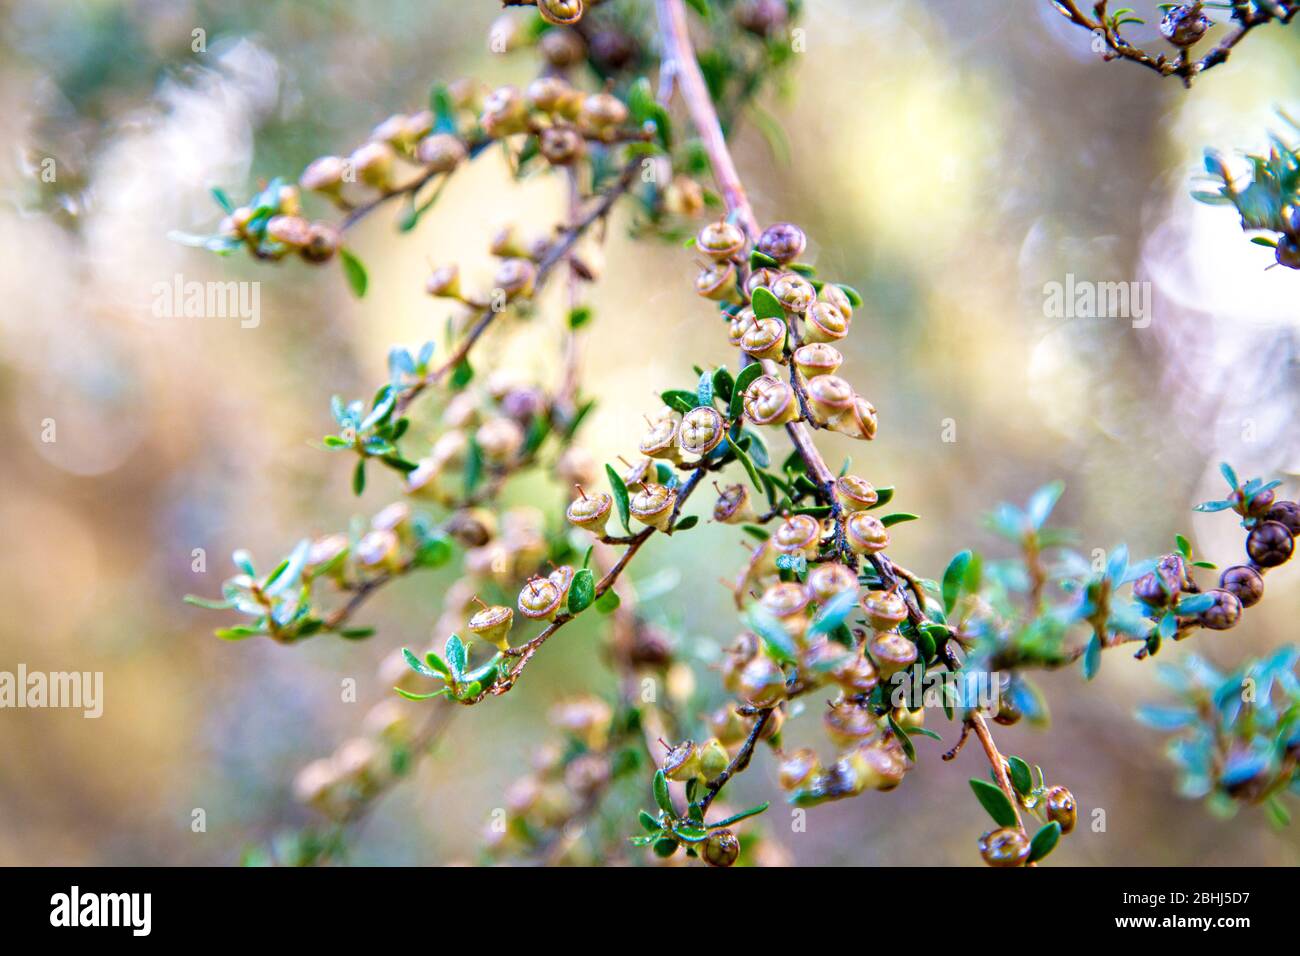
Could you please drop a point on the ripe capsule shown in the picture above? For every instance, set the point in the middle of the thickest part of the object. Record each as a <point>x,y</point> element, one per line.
<point>653,505</point>
<point>798,768</point>
<point>1286,513</point>
<point>373,164</point>
<point>884,609</point>
<point>590,512</point>
<point>539,600</point>
<point>829,397</point>
<point>770,401</point>
<point>661,440</point>
<point>817,358</point>
<point>865,533</point>
<point>717,281</point>
<point>682,762</point>
<point>794,292</point>
<point>829,579</point>
<point>1004,847</point>
<point>492,624</point>
<point>1060,808</point>
<point>825,323</point>
<point>783,241</point>
<point>702,430</point>
<point>440,153</point>
<point>324,175</point>
<point>765,339</point>
<point>761,682</point>
<point>733,505</point>
<point>1270,544</point>
<point>561,13</point>
<point>854,493</point>
<point>720,240</point>
<point>1243,581</point>
<point>798,535</point>
<point>892,652</point>
<point>1225,613</point>
<point>722,848</point>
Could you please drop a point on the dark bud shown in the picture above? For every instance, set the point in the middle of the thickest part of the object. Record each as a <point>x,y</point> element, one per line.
<point>1243,581</point>
<point>1287,513</point>
<point>1008,713</point>
<point>721,848</point>
<point>1004,847</point>
<point>1225,613</point>
<point>783,241</point>
<point>1257,506</point>
<point>1184,24</point>
<point>760,17</point>
<point>1270,544</point>
<point>1288,252</point>
<point>1150,590</point>
<point>612,49</point>
<point>1060,808</point>
<point>1173,570</point>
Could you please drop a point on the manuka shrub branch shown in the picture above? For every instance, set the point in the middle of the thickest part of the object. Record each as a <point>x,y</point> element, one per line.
<point>823,609</point>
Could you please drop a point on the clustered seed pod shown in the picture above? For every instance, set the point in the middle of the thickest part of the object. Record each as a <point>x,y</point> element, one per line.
<point>733,505</point>
<point>654,505</point>
<point>1059,807</point>
<point>561,13</point>
<point>492,624</point>
<point>855,493</point>
<point>1270,544</point>
<point>540,599</point>
<point>884,609</point>
<point>782,241</point>
<point>720,240</point>
<point>770,401</point>
<point>702,430</point>
<point>865,533</point>
<point>590,512</point>
<point>798,536</point>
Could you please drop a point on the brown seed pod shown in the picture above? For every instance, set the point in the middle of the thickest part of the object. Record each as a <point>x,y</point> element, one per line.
<point>602,112</point>
<point>1059,806</point>
<point>829,397</point>
<point>765,339</point>
<point>323,241</point>
<point>733,505</point>
<point>788,601</point>
<point>782,241</point>
<point>857,675</point>
<point>1269,544</point>
<point>865,533</point>
<point>1286,513</point>
<point>562,48</point>
<point>1243,581</point>
<point>504,112</point>
<point>682,762</point>
<point>884,609</point>
<point>661,440</point>
<point>854,493</point>
<point>561,13</point>
<point>798,768</point>
<point>1225,613</point>
<point>717,281</point>
<point>292,231</point>
<point>761,682</point>
<point>829,579</point>
<point>590,512</point>
<point>721,848</point>
<point>848,725</point>
<point>1184,24</point>
<point>1004,847</point>
<point>891,652</point>
<point>561,145</point>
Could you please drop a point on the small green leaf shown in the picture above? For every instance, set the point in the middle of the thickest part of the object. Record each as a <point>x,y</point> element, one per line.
<point>766,305</point>
<point>687,523</point>
<point>1092,658</point>
<point>418,665</point>
<point>619,491</point>
<point>743,381</point>
<point>608,602</point>
<point>1021,778</point>
<point>994,801</point>
<point>898,518</point>
<point>737,817</point>
<point>775,637</point>
<point>355,272</point>
<point>908,747</point>
<point>454,652</point>
<point>580,316</point>
<point>663,798</point>
<point>1044,841</point>
<point>953,579</point>
<point>359,478</point>
<point>749,465</point>
<point>582,591</point>
<point>648,823</point>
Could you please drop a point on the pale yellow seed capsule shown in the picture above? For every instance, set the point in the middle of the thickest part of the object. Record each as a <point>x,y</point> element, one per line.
<point>832,294</point>
<point>394,517</point>
<point>516,278</point>
<point>716,281</point>
<point>324,175</point>
<point>373,165</point>
<point>661,440</point>
<point>865,533</point>
<point>653,505</point>
<point>827,580</point>
<point>740,323</point>
<point>798,768</point>
<point>562,578</point>
<point>504,112</point>
<point>817,358</point>
<point>590,512</point>
<point>798,535</point>
<point>770,401</point>
<point>378,550</point>
<point>794,292</point>
<point>892,652</point>
<point>441,152</point>
<point>702,430</point>
<point>788,602</point>
<point>765,340</point>
<point>884,609</point>
<point>823,322</point>
<point>602,112</point>
<point>720,240</point>
<point>829,396</point>
<point>499,439</point>
<point>492,624</point>
<point>444,282</point>
<point>859,421</point>
<point>539,600</point>
<point>854,493</point>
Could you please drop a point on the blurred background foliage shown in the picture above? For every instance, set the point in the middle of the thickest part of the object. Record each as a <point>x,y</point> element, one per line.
<point>947,158</point>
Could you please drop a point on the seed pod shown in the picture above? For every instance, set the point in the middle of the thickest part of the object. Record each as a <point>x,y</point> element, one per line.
<point>761,682</point>
<point>516,278</point>
<point>394,131</point>
<point>612,49</point>
<point>292,231</point>
<point>1225,613</point>
<point>324,552</point>
<point>561,13</point>
<point>865,533</point>
<point>721,848</point>
<point>829,579</point>
<point>794,292</point>
<point>720,240</point>
<point>761,279</point>
<point>765,339</point>
<point>373,164</point>
<point>857,675</point>
<point>733,505</point>
<point>798,535</point>
<point>422,481</point>
<point>1184,24</point>
<point>882,767</point>
<point>727,725</point>
<point>1257,506</point>
<point>1243,581</point>
<point>854,493</point>
<point>440,153</point>
<point>540,599</point>
<point>798,768</point>
<point>1270,544</point>
<point>1008,713</point>
<point>848,725</point>
<point>1150,590</point>
<point>323,240</point>
<point>378,550</point>
<point>577,466</point>
<point>1004,847</point>
<point>684,197</point>
<point>1287,252</point>
<point>891,652</point>
<point>324,175</point>
<point>360,762</point>
<point>884,609</point>
<point>833,295</point>
<point>788,602</point>
<point>714,759</point>
<point>586,718</point>
<point>444,282</point>
<point>639,472</point>
<point>602,112</point>
<point>499,439</point>
<point>562,48</point>
<point>394,517</point>
<point>829,396</point>
<point>504,112</point>
<point>682,762</point>
<point>492,624</point>
<point>817,358</point>
<point>314,783</point>
<point>740,323</point>
<point>653,505</point>
<point>858,422</point>
<point>1060,807</point>
<point>590,512</point>
<point>1286,513</point>
<point>782,241</point>
<point>717,281</point>
<point>561,145</point>
<point>825,323</point>
<point>661,440</point>
<point>702,430</point>
<point>770,401</point>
